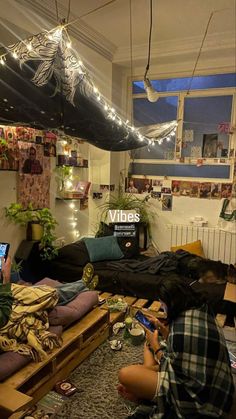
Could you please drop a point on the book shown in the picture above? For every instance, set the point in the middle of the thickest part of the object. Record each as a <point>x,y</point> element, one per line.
<point>82,187</point>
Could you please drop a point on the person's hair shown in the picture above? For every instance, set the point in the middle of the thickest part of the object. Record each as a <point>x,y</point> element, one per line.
<point>178,296</point>
<point>32,149</point>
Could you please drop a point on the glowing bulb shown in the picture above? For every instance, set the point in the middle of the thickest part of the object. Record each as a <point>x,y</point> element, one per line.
<point>113,110</point>
<point>160,141</point>
<point>68,44</point>
<point>50,37</point>
<point>172,133</point>
<point>80,62</point>
<point>120,122</point>
<point>2,62</point>
<point>72,205</point>
<point>69,184</point>
<point>29,46</point>
<point>153,143</point>
<point>98,98</point>
<point>132,128</point>
<point>127,121</point>
<point>73,224</point>
<point>152,95</point>
<point>14,54</point>
<point>168,139</point>
<point>95,89</point>
<point>105,107</point>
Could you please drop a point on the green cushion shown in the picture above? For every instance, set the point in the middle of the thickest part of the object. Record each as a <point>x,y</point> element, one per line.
<point>103,248</point>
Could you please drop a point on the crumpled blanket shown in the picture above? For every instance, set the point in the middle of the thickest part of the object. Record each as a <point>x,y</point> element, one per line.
<point>6,301</point>
<point>26,331</point>
<point>163,263</point>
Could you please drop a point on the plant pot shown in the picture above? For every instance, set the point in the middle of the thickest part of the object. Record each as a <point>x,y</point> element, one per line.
<point>34,231</point>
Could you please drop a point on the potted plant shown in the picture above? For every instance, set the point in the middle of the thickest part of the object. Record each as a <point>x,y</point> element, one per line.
<point>124,201</point>
<point>40,226</point>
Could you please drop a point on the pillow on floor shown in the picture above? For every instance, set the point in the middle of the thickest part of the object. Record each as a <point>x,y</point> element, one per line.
<point>103,248</point>
<point>195,248</point>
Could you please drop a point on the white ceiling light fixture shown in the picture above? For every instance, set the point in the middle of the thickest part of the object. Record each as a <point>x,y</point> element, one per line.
<point>152,94</point>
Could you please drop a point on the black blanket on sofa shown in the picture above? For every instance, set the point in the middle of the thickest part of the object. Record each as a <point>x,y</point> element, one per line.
<point>68,267</point>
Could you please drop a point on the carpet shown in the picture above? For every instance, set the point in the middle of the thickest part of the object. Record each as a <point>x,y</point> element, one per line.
<point>96,379</point>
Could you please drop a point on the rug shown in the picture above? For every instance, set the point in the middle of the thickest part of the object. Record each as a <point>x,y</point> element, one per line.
<point>96,379</point>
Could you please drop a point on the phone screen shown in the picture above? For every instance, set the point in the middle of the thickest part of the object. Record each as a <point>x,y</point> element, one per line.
<point>144,321</point>
<point>4,248</point>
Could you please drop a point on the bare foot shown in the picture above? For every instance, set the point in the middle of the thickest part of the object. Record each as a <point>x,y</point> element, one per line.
<point>126,395</point>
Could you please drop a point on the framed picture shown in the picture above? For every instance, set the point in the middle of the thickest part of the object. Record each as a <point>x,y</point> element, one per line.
<point>209,145</point>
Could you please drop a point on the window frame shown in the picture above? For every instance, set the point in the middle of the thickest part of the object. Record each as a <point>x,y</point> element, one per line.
<point>210,92</point>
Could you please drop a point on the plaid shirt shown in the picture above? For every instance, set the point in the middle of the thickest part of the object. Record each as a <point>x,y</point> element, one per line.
<point>195,373</point>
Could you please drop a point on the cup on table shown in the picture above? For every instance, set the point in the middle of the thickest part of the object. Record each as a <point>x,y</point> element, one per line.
<point>137,335</point>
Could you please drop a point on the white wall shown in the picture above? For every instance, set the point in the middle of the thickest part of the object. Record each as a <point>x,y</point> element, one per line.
<point>19,22</point>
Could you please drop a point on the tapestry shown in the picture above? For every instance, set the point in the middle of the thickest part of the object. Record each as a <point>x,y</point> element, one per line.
<point>34,176</point>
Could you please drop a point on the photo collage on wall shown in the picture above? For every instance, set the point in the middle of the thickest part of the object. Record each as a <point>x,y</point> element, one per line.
<point>165,189</point>
<point>27,150</point>
<point>209,190</point>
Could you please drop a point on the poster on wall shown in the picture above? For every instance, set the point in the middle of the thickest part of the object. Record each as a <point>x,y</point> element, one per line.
<point>205,190</point>
<point>9,151</point>
<point>34,176</point>
<point>175,187</point>
<point>185,187</point>
<point>209,145</point>
<point>226,190</point>
<point>138,185</point>
<point>166,202</point>
<point>194,190</point>
<point>216,190</point>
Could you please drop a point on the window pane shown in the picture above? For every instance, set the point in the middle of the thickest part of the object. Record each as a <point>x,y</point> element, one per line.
<point>206,121</point>
<point>147,113</point>
<point>183,83</point>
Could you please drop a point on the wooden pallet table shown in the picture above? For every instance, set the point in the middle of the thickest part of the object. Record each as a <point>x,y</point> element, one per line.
<point>134,304</point>
<point>116,316</point>
<point>153,308</point>
<point>79,340</point>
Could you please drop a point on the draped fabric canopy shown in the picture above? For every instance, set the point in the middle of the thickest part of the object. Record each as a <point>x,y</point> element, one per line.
<point>44,85</point>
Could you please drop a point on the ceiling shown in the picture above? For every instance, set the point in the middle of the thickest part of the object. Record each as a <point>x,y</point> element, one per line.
<point>178,26</point>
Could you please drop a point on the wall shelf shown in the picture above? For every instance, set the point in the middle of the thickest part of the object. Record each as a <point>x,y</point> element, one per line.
<point>71,165</point>
<point>70,199</point>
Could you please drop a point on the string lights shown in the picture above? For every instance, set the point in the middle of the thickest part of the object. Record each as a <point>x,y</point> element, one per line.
<point>60,34</point>
<point>74,220</point>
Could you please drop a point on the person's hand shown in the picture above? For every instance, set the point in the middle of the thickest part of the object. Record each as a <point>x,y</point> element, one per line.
<point>6,270</point>
<point>152,339</point>
<point>160,326</point>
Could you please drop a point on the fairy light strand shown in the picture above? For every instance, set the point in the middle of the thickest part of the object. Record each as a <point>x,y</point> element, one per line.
<point>109,110</point>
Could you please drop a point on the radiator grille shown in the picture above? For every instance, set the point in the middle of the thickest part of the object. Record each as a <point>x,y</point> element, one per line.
<point>217,244</point>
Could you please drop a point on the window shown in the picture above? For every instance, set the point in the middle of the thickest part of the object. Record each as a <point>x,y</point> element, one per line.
<point>203,120</point>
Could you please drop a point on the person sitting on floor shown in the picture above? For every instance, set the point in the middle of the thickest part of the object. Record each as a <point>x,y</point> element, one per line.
<point>188,375</point>
<point>24,312</point>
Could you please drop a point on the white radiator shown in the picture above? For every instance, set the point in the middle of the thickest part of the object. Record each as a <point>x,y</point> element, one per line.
<point>217,244</point>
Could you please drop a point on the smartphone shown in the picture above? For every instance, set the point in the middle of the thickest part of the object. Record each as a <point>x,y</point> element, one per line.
<point>4,249</point>
<point>144,321</point>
